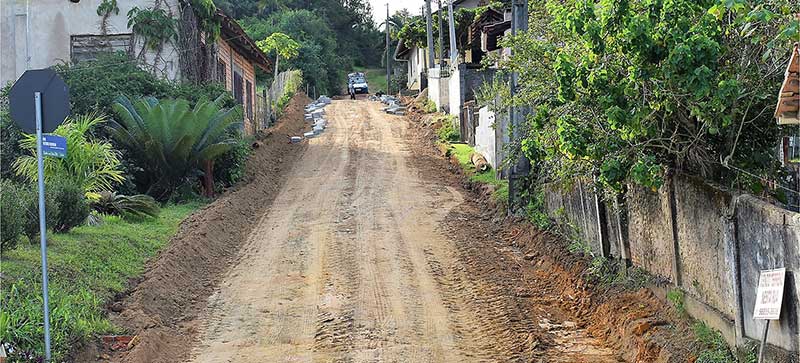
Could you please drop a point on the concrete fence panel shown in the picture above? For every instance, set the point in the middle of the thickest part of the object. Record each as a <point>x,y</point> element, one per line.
<point>768,238</point>
<point>650,230</point>
<point>705,271</point>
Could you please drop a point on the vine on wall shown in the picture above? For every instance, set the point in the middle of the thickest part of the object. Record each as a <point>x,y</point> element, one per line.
<point>105,10</point>
<point>200,29</point>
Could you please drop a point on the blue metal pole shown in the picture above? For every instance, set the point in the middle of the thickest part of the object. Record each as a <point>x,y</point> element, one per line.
<point>42,225</point>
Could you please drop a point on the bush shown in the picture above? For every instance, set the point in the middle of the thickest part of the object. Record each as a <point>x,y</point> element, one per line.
<point>129,207</point>
<point>172,142</point>
<point>65,205</point>
<point>77,316</point>
<point>29,201</point>
<point>91,163</point>
<point>95,84</point>
<point>230,167</point>
<point>11,215</point>
<point>429,106</point>
<point>447,131</point>
<point>72,206</point>
<point>10,136</point>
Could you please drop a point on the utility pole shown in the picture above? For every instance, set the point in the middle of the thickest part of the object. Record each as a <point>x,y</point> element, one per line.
<point>429,30</point>
<point>388,59</point>
<point>521,168</point>
<point>452,30</point>
<point>441,39</point>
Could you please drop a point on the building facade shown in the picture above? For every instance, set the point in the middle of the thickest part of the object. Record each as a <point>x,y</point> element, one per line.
<point>38,34</point>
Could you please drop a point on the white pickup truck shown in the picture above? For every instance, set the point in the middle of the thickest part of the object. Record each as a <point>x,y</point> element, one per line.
<point>358,82</point>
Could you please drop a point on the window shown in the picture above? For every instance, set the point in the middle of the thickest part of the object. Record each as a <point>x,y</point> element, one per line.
<point>249,107</point>
<point>88,47</point>
<point>238,93</point>
<point>221,71</point>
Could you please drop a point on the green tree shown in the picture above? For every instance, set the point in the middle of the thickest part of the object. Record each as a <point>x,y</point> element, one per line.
<point>283,46</point>
<point>173,142</point>
<point>623,89</point>
<point>321,65</point>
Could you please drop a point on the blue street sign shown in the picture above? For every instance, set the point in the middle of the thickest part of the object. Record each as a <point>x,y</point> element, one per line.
<point>54,145</point>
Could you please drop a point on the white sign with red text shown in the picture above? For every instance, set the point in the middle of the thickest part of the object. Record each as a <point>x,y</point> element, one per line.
<point>769,295</point>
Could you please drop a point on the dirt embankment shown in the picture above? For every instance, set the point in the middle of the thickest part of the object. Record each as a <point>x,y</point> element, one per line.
<point>163,306</point>
<point>537,279</point>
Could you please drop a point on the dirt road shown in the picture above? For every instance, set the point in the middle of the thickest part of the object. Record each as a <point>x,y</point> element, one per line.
<point>353,263</point>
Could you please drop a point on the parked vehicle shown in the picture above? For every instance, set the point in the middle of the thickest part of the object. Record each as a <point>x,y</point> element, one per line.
<point>358,82</point>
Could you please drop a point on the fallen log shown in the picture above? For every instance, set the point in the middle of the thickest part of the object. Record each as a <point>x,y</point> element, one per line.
<point>480,162</point>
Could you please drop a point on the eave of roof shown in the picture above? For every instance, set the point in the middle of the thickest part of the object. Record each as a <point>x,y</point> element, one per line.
<point>232,33</point>
<point>401,51</point>
<point>788,109</point>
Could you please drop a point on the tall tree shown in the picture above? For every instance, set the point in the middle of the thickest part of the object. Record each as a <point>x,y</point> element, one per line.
<point>283,46</point>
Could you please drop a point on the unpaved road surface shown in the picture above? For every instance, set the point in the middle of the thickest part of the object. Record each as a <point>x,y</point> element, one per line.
<point>352,263</point>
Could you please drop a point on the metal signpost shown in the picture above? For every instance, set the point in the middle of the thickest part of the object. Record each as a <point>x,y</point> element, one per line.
<point>769,298</point>
<point>39,102</point>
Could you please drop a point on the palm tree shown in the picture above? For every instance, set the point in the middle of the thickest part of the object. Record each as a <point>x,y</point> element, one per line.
<point>172,142</point>
<point>91,164</point>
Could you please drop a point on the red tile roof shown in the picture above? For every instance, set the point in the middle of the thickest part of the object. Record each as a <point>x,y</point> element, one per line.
<point>789,98</point>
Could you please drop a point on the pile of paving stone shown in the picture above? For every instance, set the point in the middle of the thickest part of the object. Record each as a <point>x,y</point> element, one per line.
<point>315,114</point>
<point>393,106</point>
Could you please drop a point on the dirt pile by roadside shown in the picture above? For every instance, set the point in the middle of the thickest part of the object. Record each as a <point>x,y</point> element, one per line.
<point>544,292</point>
<point>162,307</point>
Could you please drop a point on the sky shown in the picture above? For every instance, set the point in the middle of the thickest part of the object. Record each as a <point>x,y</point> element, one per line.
<point>379,8</point>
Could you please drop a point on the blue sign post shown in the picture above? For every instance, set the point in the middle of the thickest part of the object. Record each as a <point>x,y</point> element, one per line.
<point>39,102</point>
<point>54,145</point>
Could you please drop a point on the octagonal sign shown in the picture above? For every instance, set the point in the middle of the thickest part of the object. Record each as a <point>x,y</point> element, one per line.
<point>55,100</point>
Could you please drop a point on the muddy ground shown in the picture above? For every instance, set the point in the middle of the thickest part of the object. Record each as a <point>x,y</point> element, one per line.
<point>367,245</point>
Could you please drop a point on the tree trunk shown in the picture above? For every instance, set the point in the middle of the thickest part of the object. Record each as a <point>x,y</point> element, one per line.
<point>208,179</point>
<point>275,78</point>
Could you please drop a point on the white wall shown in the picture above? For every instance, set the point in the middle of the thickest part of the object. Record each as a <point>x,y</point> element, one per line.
<point>485,136</point>
<point>52,22</point>
<point>438,88</point>
<point>455,98</point>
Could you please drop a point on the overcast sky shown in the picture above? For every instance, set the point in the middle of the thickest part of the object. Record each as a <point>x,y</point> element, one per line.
<point>379,8</point>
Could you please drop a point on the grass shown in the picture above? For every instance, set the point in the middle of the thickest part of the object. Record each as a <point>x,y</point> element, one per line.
<point>462,153</point>
<point>376,78</point>
<point>87,267</point>
<point>716,349</point>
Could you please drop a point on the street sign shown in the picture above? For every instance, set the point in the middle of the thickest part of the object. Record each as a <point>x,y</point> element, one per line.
<point>769,295</point>
<point>54,145</point>
<point>769,298</point>
<point>39,102</point>
<point>55,100</point>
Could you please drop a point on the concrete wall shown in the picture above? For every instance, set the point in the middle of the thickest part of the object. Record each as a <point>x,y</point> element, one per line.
<point>767,238</point>
<point>463,84</point>
<point>650,230</point>
<point>438,89</point>
<point>574,208</point>
<point>485,136</point>
<point>416,64</point>
<point>53,22</point>
<point>702,240</point>
<point>455,94</point>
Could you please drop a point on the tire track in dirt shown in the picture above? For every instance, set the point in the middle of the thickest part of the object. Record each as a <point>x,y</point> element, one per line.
<point>355,262</point>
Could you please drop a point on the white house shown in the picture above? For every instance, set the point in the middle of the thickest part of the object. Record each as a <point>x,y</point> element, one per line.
<point>416,61</point>
<point>40,33</point>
